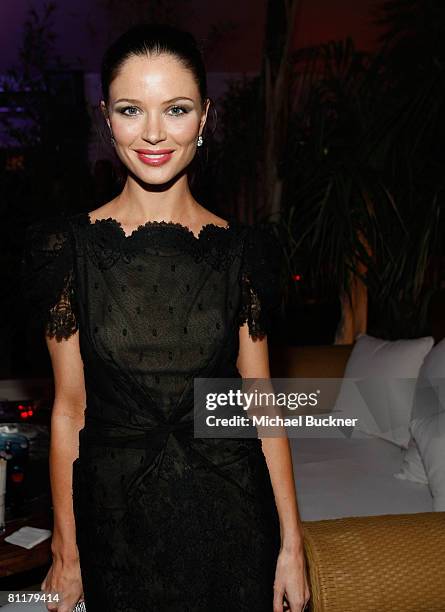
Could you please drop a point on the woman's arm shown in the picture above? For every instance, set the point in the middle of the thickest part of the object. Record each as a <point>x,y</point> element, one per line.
<point>253,362</point>
<point>290,577</point>
<point>66,420</point>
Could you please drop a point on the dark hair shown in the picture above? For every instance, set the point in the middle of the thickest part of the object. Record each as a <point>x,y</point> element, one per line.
<point>154,38</point>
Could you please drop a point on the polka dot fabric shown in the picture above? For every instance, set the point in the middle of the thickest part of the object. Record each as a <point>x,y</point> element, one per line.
<point>164,520</point>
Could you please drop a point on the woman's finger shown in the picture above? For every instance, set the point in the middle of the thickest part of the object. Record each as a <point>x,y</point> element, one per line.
<point>278,599</point>
<point>296,602</point>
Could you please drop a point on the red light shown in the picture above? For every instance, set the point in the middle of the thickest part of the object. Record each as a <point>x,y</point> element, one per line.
<point>296,277</point>
<point>24,415</point>
<point>30,412</point>
<point>20,407</point>
<point>17,476</point>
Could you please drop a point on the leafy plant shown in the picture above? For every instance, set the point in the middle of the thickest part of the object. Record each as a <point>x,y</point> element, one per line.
<point>44,167</point>
<point>358,174</point>
<point>357,199</point>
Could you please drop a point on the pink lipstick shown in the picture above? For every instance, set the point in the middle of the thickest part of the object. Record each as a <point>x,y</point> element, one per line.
<point>154,157</point>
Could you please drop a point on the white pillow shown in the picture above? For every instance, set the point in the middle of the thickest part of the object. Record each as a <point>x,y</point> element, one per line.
<point>378,386</point>
<point>430,387</point>
<point>427,402</point>
<point>412,466</point>
<point>429,434</point>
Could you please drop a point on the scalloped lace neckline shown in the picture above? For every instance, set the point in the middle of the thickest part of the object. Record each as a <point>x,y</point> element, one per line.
<point>111,221</point>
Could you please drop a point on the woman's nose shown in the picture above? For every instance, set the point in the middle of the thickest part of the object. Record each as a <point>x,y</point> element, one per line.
<point>153,129</point>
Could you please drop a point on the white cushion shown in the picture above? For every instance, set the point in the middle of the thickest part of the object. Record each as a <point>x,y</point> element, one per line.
<point>429,434</point>
<point>431,382</point>
<point>434,363</point>
<point>428,422</point>
<point>412,467</point>
<point>379,384</point>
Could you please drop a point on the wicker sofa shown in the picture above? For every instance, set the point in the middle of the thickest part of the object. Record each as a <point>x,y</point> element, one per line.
<point>387,562</point>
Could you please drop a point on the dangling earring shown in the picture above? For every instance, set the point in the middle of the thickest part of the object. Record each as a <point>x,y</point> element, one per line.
<point>199,141</point>
<point>113,142</point>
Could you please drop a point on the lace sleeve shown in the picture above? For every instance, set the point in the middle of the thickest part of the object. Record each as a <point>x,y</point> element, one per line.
<point>260,280</point>
<point>47,278</point>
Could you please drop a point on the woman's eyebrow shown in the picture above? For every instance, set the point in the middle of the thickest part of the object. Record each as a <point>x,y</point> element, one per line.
<point>165,102</point>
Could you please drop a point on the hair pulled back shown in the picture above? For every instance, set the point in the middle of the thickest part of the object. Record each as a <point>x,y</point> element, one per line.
<point>153,38</point>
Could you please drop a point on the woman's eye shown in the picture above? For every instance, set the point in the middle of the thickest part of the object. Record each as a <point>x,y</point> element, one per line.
<point>126,108</point>
<point>131,111</point>
<point>178,108</point>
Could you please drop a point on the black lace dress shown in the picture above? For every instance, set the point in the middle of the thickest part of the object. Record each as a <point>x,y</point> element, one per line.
<point>165,521</point>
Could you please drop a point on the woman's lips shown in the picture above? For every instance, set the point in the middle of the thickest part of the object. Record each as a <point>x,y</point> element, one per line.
<point>154,160</point>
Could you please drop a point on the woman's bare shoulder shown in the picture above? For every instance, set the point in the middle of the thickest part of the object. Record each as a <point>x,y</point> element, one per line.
<point>205,217</point>
<point>102,212</point>
<point>209,218</point>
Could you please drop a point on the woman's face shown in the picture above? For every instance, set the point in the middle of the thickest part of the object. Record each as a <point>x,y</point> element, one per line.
<point>155,115</point>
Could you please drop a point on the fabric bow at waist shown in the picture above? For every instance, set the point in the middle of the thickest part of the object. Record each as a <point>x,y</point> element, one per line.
<point>153,441</point>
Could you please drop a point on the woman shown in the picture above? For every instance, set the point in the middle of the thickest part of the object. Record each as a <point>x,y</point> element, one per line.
<point>137,298</point>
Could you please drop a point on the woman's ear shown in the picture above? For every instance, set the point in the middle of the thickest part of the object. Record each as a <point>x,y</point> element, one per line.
<point>103,108</point>
<point>204,115</point>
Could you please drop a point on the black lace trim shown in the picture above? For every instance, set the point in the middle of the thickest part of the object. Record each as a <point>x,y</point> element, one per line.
<point>48,273</point>
<point>47,277</point>
<point>252,311</point>
<point>215,245</point>
<point>62,321</point>
<point>260,279</point>
<point>208,227</point>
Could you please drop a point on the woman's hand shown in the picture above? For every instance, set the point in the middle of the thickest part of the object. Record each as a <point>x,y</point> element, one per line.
<point>291,581</point>
<point>63,578</point>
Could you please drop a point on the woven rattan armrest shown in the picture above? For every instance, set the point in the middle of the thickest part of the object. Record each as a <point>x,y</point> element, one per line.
<point>391,562</point>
